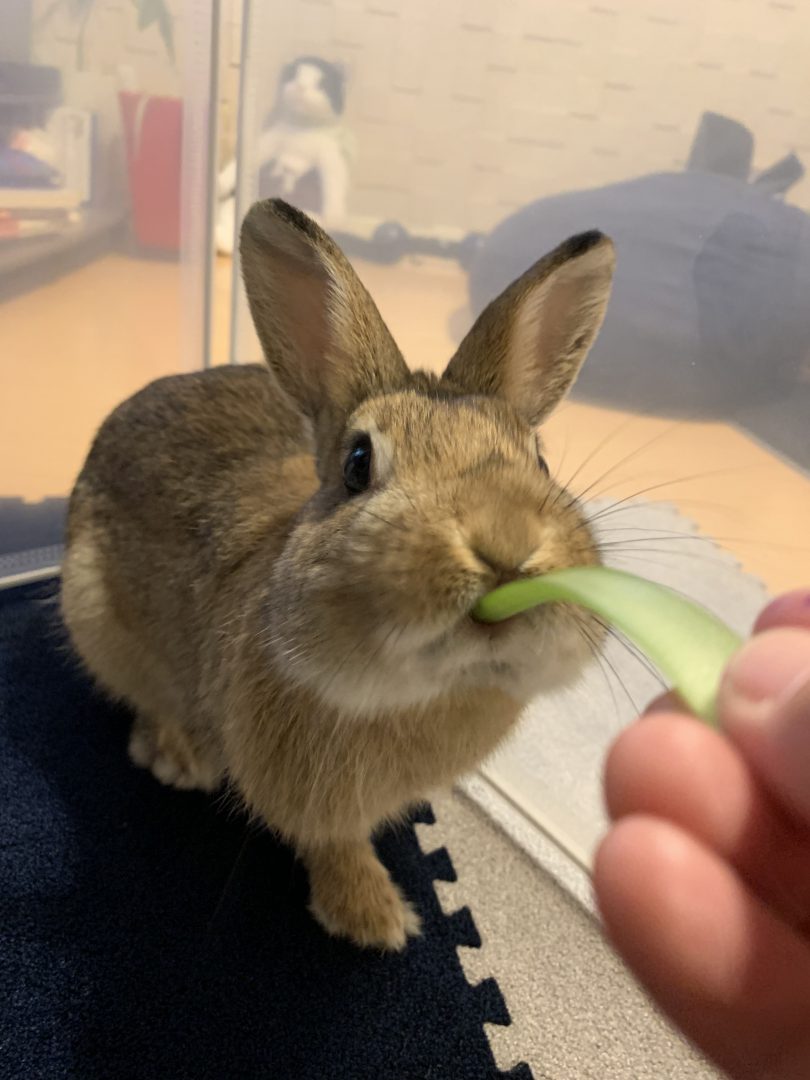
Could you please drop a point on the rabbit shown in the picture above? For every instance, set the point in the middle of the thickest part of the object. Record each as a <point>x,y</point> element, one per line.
<point>275,565</point>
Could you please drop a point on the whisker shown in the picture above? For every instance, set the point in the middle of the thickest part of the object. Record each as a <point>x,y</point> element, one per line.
<point>558,468</point>
<point>622,684</point>
<point>633,649</point>
<point>644,529</point>
<point>596,652</point>
<point>639,450</point>
<point>623,426</point>
<point>673,536</point>
<point>620,550</point>
<point>612,507</point>
<point>410,500</point>
<point>682,505</point>
<point>385,521</point>
<point>632,541</point>
<point>228,881</point>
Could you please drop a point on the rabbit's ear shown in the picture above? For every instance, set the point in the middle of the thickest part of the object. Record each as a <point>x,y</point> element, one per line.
<point>320,330</point>
<point>528,345</point>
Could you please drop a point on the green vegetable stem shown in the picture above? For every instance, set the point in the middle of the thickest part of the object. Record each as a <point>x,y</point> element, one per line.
<point>688,644</point>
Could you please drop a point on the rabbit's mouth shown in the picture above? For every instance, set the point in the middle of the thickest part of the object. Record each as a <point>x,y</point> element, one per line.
<point>495,631</point>
<point>467,637</point>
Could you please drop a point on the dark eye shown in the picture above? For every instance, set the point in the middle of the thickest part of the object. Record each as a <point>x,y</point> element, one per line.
<point>357,466</point>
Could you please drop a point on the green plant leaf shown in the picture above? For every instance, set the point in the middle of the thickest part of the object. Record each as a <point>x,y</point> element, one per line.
<point>156,12</point>
<point>166,28</point>
<point>688,644</point>
<point>147,13</point>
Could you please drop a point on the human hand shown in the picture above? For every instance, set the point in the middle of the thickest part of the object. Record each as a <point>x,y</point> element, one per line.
<point>703,880</point>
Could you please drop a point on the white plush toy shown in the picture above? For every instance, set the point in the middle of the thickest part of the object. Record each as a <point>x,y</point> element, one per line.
<point>304,152</point>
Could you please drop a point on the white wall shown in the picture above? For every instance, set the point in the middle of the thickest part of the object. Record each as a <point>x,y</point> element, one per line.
<point>465,109</point>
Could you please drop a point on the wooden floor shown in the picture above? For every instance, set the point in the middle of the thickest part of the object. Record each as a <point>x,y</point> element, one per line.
<point>73,349</point>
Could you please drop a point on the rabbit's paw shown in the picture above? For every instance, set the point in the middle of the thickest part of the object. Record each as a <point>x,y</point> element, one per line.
<point>361,902</point>
<point>171,758</point>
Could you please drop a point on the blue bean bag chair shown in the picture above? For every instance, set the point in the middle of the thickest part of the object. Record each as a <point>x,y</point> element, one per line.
<point>710,313</point>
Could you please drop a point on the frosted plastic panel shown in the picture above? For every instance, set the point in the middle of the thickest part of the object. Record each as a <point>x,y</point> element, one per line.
<point>479,135</point>
<point>104,130</point>
<point>489,132</point>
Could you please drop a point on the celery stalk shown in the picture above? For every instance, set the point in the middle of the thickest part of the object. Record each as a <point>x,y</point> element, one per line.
<point>688,644</point>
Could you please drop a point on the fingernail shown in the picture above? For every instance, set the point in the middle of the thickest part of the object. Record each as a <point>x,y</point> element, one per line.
<point>655,706</point>
<point>790,609</point>
<point>664,703</point>
<point>766,673</point>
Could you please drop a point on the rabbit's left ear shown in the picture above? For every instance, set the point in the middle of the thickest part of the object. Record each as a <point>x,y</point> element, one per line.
<point>321,332</point>
<point>528,345</point>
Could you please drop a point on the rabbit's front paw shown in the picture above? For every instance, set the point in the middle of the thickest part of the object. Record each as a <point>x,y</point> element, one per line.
<point>355,898</point>
<point>170,757</point>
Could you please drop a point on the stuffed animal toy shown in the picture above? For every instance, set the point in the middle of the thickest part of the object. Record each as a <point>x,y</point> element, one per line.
<point>304,150</point>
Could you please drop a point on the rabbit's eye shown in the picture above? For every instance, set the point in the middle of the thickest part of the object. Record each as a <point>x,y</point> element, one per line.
<point>357,466</point>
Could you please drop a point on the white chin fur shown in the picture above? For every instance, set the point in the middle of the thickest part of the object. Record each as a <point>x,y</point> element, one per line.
<point>523,662</point>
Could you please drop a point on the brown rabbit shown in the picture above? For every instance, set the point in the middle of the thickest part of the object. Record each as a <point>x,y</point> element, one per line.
<point>276,568</point>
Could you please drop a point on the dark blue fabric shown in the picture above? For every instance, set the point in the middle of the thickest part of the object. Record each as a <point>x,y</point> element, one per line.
<point>148,933</point>
<point>26,525</point>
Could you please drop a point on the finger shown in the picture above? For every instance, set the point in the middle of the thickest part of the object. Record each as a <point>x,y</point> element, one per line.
<point>727,971</point>
<point>790,609</point>
<point>764,705</point>
<point>674,767</point>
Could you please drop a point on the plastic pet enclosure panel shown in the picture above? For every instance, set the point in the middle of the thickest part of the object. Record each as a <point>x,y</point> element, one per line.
<point>478,135</point>
<point>103,148</point>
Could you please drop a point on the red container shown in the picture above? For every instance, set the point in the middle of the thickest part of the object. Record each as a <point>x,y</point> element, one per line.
<point>153,134</point>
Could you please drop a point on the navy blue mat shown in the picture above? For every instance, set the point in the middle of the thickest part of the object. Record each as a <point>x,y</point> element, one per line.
<point>147,933</point>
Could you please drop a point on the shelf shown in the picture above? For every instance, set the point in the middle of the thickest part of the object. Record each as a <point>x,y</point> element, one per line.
<point>33,261</point>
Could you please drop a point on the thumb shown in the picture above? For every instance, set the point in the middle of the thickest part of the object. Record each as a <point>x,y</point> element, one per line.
<point>764,706</point>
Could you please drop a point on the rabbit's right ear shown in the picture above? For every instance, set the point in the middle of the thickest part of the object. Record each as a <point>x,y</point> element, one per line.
<point>528,345</point>
<point>320,330</point>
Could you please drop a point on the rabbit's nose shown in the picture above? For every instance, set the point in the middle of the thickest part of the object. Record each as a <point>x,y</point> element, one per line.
<point>504,551</point>
<point>503,569</point>
<point>501,536</point>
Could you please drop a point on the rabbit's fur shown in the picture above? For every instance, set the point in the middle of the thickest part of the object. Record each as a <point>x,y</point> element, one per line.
<point>312,645</point>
